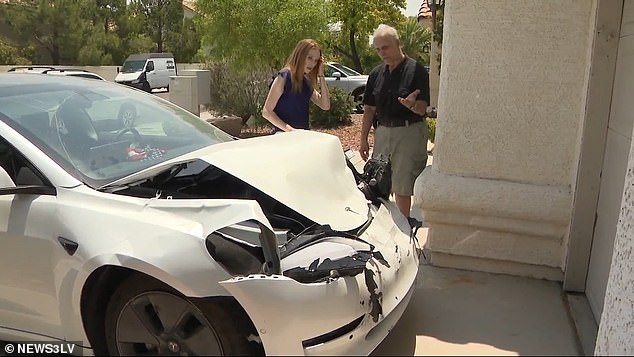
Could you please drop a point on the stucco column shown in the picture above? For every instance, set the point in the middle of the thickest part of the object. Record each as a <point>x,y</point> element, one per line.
<point>434,73</point>
<point>616,330</point>
<point>511,104</point>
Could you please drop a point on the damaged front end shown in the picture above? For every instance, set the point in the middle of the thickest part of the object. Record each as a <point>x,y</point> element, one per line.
<point>334,293</point>
<point>324,269</point>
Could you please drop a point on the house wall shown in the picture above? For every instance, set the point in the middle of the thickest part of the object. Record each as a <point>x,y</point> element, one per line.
<point>616,328</point>
<point>499,194</point>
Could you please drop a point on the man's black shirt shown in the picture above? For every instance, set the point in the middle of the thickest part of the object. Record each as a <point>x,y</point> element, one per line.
<point>384,87</point>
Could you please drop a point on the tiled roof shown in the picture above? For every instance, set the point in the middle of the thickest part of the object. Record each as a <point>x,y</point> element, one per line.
<point>425,11</point>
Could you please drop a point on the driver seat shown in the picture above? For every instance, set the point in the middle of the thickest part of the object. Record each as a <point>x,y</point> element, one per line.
<point>77,129</point>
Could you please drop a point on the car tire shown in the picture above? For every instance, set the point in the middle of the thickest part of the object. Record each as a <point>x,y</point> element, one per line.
<point>357,98</point>
<point>146,87</point>
<point>144,316</point>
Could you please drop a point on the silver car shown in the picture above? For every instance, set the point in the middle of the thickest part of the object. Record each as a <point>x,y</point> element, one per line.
<point>165,235</point>
<point>349,80</point>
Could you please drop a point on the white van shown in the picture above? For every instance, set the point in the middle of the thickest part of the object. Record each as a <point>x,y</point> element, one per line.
<point>147,71</point>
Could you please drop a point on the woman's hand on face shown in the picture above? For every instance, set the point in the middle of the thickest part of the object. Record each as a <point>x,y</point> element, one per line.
<point>320,72</point>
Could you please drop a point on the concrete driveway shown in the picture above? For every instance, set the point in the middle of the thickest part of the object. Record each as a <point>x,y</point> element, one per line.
<point>456,312</point>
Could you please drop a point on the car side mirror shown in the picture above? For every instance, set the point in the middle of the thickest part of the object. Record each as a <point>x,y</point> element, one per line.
<point>337,75</point>
<point>118,70</point>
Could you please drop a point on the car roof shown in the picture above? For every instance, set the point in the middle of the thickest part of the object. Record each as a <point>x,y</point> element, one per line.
<point>56,71</point>
<point>9,81</point>
<point>145,56</point>
<point>73,72</point>
<point>30,69</point>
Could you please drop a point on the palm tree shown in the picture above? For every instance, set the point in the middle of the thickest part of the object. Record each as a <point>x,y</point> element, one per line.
<point>414,39</point>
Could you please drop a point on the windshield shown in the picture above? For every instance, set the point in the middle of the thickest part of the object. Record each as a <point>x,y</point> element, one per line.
<point>133,66</point>
<point>346,70</point>
<point>102,132</point>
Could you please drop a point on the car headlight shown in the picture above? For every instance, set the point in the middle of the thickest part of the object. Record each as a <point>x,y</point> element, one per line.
<point>236,257</point>
<point>245,248</point>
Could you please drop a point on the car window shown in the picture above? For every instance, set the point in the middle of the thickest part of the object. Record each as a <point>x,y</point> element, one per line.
<point>329,70</point>
<point>21,171</point>
<point>103,132</point>
<point>133,66</point>
<point>346,70</point>
<point>150,66</point>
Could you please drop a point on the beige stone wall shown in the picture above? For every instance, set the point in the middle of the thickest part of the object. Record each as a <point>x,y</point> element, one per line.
<point>514,86</point>
<point>511,104</point>
<point>616,329</point>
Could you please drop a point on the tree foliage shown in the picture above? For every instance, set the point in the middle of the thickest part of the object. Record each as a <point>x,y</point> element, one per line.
<point>259,33</point>
<point>100,32</point>
<point>162,20</point>
<point>13,54</point>
<point>57,26</point>
<point>414,39</point>
<point>186,44</point>
<point>357,20</point>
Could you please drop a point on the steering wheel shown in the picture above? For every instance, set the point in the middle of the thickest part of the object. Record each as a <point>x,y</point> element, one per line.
<point>137,137</point>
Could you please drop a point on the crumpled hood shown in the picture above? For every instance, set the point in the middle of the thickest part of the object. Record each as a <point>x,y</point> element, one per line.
<point>304,170</point>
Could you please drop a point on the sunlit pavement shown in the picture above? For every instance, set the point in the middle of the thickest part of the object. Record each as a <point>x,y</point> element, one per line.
<point>456,312</point>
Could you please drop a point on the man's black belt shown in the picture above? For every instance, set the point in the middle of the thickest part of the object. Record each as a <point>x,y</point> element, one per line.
<point>390,123</point>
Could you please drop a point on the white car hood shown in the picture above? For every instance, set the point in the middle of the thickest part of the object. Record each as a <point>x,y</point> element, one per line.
<point>303,170</point>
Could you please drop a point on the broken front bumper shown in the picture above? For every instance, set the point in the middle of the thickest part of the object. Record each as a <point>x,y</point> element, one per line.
<point>347,315</point>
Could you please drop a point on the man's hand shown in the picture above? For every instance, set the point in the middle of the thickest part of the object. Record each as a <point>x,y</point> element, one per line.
<point>364,149</point>
<point>410,100</point>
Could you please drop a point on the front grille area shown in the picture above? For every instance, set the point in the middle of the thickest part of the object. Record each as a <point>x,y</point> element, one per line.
<point>329,336</point>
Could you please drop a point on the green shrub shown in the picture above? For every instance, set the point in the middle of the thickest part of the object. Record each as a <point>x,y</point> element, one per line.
<point>240,92</point>
<point>431,129</point>
<point>258,121</point>
<point>341,105</point>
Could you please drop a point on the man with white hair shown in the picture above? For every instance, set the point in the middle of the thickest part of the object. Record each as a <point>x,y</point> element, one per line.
<point>396,98</point>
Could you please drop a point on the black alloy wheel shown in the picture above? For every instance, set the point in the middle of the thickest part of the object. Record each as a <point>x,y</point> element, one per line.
<point>144,317</point>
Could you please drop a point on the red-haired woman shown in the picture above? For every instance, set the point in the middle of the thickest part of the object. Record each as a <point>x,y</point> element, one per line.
<point>295,85</point>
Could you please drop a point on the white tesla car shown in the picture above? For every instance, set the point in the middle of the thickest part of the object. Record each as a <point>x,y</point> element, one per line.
<point>165,235</point>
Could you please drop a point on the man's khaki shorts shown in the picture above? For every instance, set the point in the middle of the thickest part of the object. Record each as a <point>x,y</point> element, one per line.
<point>406,146</point>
